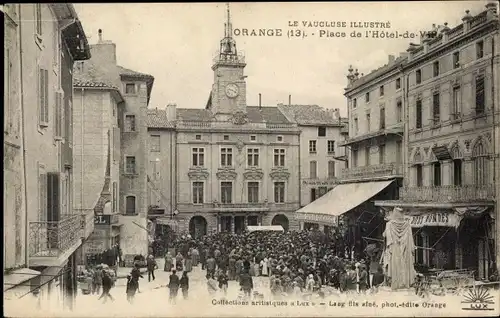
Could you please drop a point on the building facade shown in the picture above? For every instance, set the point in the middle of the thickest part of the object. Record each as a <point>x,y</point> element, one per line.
<point>321,158</point>
<point>43,41</point>
<point>451,179</point>
<point>116,98</point>
<point>97,155</point>
<point>235,165</point>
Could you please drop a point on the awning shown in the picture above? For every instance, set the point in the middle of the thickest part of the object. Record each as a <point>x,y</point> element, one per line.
<point>340,200</point>
<point>273,228</point>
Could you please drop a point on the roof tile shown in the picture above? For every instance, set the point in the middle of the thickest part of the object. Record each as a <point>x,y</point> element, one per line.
<point>310,115</point>
<point>157,118</point>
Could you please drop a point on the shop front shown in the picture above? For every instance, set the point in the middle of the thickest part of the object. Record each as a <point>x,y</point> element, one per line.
<point>104,238</point>
<point>237,222</point>
<point>453,239</point>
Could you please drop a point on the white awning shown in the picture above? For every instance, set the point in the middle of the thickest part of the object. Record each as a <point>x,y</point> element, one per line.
<point>274,228</point>
<point>343,198</point>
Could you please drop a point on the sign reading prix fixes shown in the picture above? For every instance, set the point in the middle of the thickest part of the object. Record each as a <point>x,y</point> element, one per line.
<point>435,219</point>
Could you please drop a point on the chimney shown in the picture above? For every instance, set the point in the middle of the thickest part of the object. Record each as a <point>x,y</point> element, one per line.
<point>171,112</point>
<point>392,58</point>
<point>289,100</point>
<point>260,100</point>
<point>104,52</point>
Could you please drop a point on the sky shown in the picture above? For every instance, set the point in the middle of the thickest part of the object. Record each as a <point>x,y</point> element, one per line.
<point>175,42</point>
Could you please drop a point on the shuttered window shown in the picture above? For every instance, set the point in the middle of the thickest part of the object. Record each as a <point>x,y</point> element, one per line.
<point>59,116</point>
<point>42,193</point>
<point>53,198</point>
<point>43,94</point>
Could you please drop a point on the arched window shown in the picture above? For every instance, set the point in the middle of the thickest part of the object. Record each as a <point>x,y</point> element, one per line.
<point>130,205</point>
<point>481,162</point>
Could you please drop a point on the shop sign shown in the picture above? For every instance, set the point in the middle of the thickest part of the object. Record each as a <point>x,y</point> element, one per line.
<point>100,233</point>
<point>435,219</point>
<point>317,218</point>
<point>102,219</point>
<point>320,182</point>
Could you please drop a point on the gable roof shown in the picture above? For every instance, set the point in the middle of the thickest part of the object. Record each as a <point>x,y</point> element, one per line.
<point>308,115</point>
<point>157,118</point>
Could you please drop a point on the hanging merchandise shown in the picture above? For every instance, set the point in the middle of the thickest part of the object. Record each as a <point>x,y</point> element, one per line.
<point>399,252</point>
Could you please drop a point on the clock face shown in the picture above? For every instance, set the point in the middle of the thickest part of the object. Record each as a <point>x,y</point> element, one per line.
<point>232,90</point>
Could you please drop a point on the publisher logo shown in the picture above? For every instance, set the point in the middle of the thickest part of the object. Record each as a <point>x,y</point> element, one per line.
<point>477,299</point>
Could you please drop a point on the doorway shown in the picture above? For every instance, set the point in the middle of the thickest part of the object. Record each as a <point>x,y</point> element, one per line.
<point>239,224</point>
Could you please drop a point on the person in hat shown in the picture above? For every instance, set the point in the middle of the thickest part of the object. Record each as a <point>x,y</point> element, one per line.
<point>151,266</point>
<point>97,280</point>
<point>173,285</point>
<point>184,284</point>
<point>363,278</point>
<point>107,284</point>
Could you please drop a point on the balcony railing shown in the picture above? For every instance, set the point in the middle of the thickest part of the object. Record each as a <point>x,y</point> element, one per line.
<point>87,223</point>
<point>374,171</point>
<point>51,239</point>
<point>448,194</point>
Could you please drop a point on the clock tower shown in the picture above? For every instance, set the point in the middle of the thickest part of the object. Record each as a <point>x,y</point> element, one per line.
<point>228,94</point>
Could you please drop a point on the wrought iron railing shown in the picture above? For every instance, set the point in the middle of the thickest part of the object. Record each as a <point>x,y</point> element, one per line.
<point>53,238</point>
<point>447,194</point>
<point>381,170</point>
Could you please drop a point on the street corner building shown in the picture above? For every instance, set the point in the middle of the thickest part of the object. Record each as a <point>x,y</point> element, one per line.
<point>226,166</point>
<point>43,233</point>
<point>110,182</point>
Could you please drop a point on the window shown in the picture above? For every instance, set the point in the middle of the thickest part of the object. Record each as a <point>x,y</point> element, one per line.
<point>436,108</point>
<point>197,137</point>
<point>253,138</point>
<point>313,169</point>
<point>313,194</point>
<point>115,197</point>
<point>226,192</point>
<point>399,149</point>
<point>381,89</point>
<point>399,111</point>
<point>321,131</point>
<point>381,154</point>
<point>38,18</point>
<point>435,68</point>
<point>42,193</point>
<point>198,157</point>
<point>356,126</point>
<point>437,174</point>
<point>418,76</point>
<point>59,116</point>
<point>480,164</point>
<point>368,122</point>
<point>130,88</point>
<point>456,102</point>
<point>457,172</point>
<point>155,143</point>
<point>382,118</point>
<point>456,60</point>
<point>479,49</point>
<point>253,157</point>
<point>367,156</point>
<point>129,122</point>
<point>43,95</point>
<point>226,157</point>
<point>312,146</point>
<point>354,158</point>
<point>331,169</point>
<point>398,83</point>
<point>418,114</point>
<point>130,165</point>
<point>279,138</point>
<point>198,192</point>
<point>330,147</point>
<point>279,157</point>
<point>480,95</point>
<point>130,205</point>
<point>354,103</point>
<point>367,97</point>
<point>279,192</point>
<point>226,137</point>
<point>253,192</point>
<point>419,175</point>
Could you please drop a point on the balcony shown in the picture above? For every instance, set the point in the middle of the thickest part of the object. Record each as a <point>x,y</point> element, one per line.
<point>383,132</point>
<point>87,223</point>
<point>387,170</point>
<point>52,242</point>
<point>448,194</point>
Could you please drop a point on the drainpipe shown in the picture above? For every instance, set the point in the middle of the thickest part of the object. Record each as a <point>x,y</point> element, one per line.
<point>497,221</point>
<point>81,151</point>
<point>171,177</point>
<point>23,132</point>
